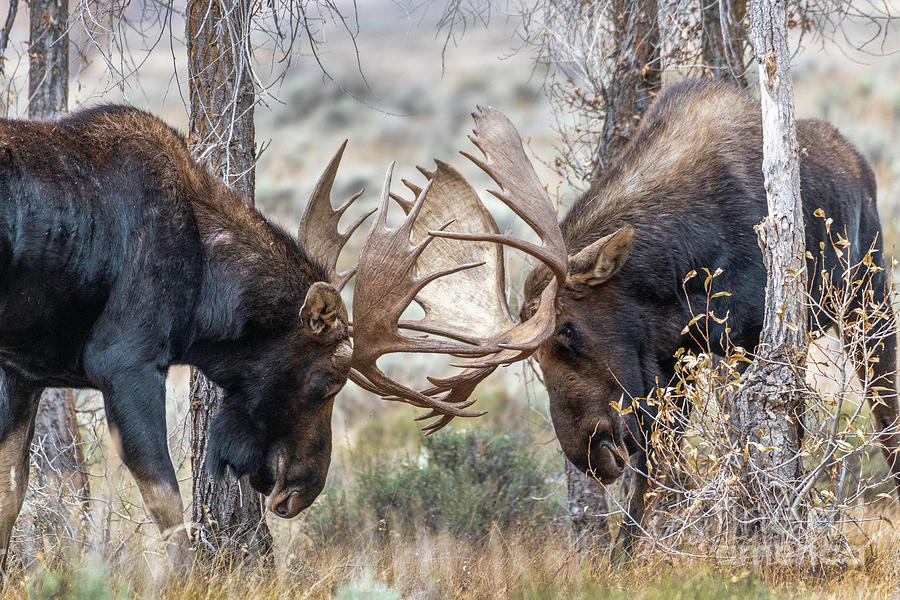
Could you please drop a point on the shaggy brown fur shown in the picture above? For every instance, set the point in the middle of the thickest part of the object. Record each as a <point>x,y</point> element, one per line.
<point>690,185</point>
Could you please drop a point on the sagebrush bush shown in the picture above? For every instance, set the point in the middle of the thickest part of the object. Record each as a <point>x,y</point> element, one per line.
<point>459,482</point>
<point>90,581</point>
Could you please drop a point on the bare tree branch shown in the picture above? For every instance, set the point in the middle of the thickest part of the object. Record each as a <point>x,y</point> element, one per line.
<point>5,93</point>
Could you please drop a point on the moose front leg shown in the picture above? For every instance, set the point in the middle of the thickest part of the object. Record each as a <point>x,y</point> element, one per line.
<point>631,527</point>
<point>136,411</point>
<point>19,407</point>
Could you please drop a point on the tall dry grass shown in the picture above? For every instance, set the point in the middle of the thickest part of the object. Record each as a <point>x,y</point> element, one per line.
<point>527,563</point>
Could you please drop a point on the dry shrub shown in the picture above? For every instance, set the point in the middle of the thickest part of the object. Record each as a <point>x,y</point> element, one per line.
<point>699,506</point>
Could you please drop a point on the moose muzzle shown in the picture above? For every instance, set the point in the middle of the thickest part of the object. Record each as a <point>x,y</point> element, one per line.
<point>286,505</point>
<point>606,462</point>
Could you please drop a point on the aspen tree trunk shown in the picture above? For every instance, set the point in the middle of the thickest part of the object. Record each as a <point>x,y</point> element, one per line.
<point>59,481</point>
<point>724,38</point>
<point>630,92</point>
<point>767,409</point>
<point>228,515</point>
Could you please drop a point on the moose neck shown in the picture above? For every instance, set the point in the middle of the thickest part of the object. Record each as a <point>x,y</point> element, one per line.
<point>680,156</point>
<point>255,277</point>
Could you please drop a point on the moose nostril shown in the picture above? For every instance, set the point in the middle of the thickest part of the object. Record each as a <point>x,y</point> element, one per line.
<point>283,509</point>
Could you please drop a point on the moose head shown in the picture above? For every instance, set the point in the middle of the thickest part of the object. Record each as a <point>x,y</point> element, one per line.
<point>568,317</point>
<point>275,422</point>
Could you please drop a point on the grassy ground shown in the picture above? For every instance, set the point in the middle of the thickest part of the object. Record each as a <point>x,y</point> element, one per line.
<point>534,563</point>
<point>401,518</point>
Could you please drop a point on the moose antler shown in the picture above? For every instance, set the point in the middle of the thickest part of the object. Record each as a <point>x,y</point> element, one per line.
<point>457,306</point>
<point>318,232</point>
<point>452,293</point>
<point>384,289</point>
<point>520,189</point>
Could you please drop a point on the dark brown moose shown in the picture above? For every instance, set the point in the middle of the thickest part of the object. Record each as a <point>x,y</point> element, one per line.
<point>120,256</point>
<point>683,195</point>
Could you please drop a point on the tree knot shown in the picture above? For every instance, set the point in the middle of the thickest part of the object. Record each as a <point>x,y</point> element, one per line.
<point>771,67</point>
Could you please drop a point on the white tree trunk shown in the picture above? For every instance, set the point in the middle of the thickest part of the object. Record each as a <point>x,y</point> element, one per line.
<point>768,408</point>
<point>781,234</point>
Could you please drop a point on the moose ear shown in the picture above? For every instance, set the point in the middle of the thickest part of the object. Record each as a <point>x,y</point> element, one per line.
<point>602,259</point>
<point>322,308</point>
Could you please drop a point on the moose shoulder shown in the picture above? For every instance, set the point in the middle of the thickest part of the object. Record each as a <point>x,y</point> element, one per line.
<point>119,256</point>
<point>685,195</point>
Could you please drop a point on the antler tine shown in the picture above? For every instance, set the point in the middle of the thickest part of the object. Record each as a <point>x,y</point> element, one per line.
<point>506,163</point>
<point>458,388</point>
<point>451,268</point>
<point>391,390</point>
<point>542,253</point>
<point>318,232</point>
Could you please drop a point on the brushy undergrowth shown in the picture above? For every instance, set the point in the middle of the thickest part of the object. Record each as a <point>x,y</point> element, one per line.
<point>459,482</point>
<point>89,582</point>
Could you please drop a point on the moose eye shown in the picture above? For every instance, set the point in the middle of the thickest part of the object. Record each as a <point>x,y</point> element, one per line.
<point>322,386</point>
<point>566,334</point>
<point>333,388</point>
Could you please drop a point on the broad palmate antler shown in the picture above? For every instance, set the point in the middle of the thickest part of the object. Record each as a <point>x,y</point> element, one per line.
<point>447,255</point>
